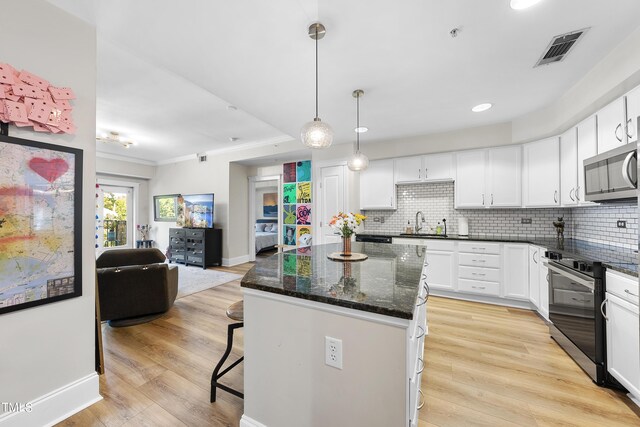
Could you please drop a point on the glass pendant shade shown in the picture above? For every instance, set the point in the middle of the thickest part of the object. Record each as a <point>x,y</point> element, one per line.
<point>316,134</point>
<point>358,162</point>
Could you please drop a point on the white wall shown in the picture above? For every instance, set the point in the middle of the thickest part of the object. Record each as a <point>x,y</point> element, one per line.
<point>50,347</point>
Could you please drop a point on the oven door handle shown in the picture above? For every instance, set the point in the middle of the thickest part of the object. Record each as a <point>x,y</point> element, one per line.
<point>588,283</point>
<point>602,309</point>
<point>626,174</point>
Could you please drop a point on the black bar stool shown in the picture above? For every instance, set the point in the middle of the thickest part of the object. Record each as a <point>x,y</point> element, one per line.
<point>234,312</point>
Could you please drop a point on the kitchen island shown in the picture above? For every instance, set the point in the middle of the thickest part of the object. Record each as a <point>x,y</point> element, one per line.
<point>298,304</point>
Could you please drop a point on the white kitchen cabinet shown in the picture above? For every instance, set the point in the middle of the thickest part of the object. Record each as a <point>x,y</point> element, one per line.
<point>504,175</point>
<point>623,342</point>
<point>438,167</point>
<point>569,167</point>
<point>408,169</point>
<point>543,280</point>
<point>429,168</point>
<point>541,174</point>
<point>534,275</point>
<point>587,147</point>
<point>516,270</point>
<point>611,126</point>
<point>441,270</point>
<point>633,111</point>
<point>377,187</point>
<point>470,179</point>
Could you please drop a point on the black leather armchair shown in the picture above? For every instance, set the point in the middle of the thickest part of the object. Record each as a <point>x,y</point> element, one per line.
<point>135,285</point>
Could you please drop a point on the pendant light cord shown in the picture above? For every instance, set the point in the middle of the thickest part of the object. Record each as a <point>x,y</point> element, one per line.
<point>358,123</point>
<point>316,71</point>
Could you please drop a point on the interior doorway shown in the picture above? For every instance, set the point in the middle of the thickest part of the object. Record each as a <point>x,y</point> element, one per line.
<point>115,215</point>
<point>265,214</point>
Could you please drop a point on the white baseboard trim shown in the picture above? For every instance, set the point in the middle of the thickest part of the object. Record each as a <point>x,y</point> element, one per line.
<point>230,262</point>
<point>57,405</point>
<point>483,299</point>
<point>250,422</point>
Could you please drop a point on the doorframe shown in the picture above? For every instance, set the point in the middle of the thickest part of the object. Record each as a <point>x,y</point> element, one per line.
<point>135,201</point>
<point>349,177</point>
<point>252,210</point>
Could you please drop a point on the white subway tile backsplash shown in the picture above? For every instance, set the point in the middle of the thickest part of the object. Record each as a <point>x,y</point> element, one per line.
<point>436,201</point>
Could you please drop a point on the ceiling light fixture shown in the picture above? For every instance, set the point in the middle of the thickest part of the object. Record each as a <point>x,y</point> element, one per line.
<point>481,107</point>
<point>114,138</point>
<point>233,138</point>
<point>361,129</point>
<point>358,162</point>
<point>523,4</point>
<point>316,134</point>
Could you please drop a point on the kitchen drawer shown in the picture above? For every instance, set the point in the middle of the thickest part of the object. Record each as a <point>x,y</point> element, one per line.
<point>569,298</point>
<point>623,286</point>
<point>198,234</point>
<point>440,245</point>
<point>479,287</point>
<point>479,247</point>
<point>479,260</point>
<point>479,273</point>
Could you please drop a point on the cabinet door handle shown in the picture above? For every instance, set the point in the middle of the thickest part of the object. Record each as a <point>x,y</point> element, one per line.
<point>426,174</point>
<point>478,287</point>
<point>422,365</point>
<point>422,331</point>
<point>419,174</point>
<point>491,199</point>
<point>571,194</point>
<point>629,128</point>
<point>391,201</point>
<point>534,256</point>
<point>602,309</point>
<point>421,404</point>
<point>479,260</point>
<point>555,196</point>
<point>625,169</point>
<point>630,293</point>
<point>423,301</point>
<point>478,274</point>
<point>616,132</point>
<point>578,193</point>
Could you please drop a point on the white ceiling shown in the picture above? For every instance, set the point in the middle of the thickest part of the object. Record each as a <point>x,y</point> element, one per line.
<point>167,70</point>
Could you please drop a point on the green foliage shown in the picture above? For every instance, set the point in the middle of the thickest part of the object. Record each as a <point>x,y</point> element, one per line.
<point>116,203</point>
<point>167,207</point>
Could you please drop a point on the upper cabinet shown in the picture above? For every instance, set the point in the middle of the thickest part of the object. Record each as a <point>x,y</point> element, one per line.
<point>587,147</point>
<point>489,178</point>
<point>470,182</point>
<point>569,167</point>
<point>541,173</point>
<point>633,111</point>
<point>377,188</point>
<point>430,168</point>
<point>611,126</point>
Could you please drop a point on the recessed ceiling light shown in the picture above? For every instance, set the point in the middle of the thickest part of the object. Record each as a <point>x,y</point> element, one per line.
<point>482,107</point>
<point>361,129</point>
<point>523,4</point>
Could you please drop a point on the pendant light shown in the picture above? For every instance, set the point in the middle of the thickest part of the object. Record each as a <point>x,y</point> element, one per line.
<point>316,134</point>
<point>358,162</point>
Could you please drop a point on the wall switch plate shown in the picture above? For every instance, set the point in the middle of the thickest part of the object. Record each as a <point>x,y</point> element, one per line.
<point>525,221</point>
<point>622,224</point>
<point>376,219</point>
<point>333,352</point>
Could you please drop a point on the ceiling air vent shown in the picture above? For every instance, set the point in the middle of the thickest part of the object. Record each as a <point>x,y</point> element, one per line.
<point>560,47</point>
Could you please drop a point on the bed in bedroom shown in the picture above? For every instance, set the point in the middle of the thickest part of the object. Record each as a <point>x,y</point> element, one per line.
<point>266,234</point>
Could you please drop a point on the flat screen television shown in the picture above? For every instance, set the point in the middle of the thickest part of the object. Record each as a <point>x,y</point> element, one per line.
<point>198,210</point>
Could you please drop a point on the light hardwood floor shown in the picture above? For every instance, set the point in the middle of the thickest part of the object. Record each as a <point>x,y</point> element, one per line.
<point>485,366</point>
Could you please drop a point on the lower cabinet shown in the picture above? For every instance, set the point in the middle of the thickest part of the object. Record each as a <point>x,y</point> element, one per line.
<point>543,281</point>
<point>534,275</point>
<point>441,269</point>
<point>516,271</point>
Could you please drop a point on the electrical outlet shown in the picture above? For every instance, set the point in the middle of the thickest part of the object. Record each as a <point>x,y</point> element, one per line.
<point>622,224</point>
<point>525,221</point>
<point>333,352</point>
<point>376,219</point>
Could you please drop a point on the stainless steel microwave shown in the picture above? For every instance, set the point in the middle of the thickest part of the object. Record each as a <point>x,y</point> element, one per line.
<point>612,175</point>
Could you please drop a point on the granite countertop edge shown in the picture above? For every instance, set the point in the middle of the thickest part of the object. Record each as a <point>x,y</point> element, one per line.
<point>331,301</point>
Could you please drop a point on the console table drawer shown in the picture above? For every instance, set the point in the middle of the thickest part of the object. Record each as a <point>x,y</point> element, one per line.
<point>176,232</point>
<point>198,234</point>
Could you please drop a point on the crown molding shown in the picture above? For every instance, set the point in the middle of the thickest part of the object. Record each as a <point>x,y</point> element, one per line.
<point>125,158</point>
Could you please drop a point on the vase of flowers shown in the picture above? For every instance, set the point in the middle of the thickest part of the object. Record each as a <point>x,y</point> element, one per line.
<point>345,224</point>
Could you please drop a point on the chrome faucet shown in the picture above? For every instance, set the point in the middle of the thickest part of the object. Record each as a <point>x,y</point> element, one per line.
<point>418,226</point>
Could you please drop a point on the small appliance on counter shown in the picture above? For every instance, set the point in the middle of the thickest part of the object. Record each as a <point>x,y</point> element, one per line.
<point>463,226</point>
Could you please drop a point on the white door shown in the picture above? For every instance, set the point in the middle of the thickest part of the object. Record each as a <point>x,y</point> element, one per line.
<point>623,342</point>
<point>440,272</point>
<point>504,177</point>
<point>541,182</point>
<point>534,275</point>
<point>115,217</point>
<point>332,200</point>
<point>587,147</point>
<point>611,120</point>
<point>569,167</point>
<point>470,179</point>
<point>633,111</point>
<point>438,167</point>
<point>516,271</point>
<point>408,169</point>
<point>377,186</point>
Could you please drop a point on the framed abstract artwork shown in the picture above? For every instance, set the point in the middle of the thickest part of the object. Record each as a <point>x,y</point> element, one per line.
<point>40,223</point>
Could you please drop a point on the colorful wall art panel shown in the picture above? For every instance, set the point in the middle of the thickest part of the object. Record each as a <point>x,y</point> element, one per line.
<point>297,203</point>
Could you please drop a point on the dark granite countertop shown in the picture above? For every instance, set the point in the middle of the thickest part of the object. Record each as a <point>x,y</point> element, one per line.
<point>612,257</point>
<point>387,283</point>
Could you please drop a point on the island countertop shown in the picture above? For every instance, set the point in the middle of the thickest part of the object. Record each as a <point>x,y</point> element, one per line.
<point>387,283</point>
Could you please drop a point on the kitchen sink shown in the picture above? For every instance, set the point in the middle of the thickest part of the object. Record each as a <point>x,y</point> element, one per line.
<point>430,235</point>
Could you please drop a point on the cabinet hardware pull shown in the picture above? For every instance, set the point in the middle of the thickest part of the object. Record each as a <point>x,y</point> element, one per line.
<point>479,260</point>
<point>427,292</point>
<point>419,174</point>
<point>482,199</point>
<point>616,132</point>
<point>630,293</point>
<point>571,194</point>
<point>625,168</point>
<point>421,404</point>
<point>424,300</point>
<point>478,274</point>
<point>391,201</point>
<point>422,366</point>
<point>422,331</point>
<point>578,193</point>
<point>602,309</point>
<point>534,256</point>
<point>580,300</point>
<point>491,199</point>
<point>629,128</point>
<point>478,287</point>
<point>555,196</point>
<point>425,173</point>
<point>547,277</point>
